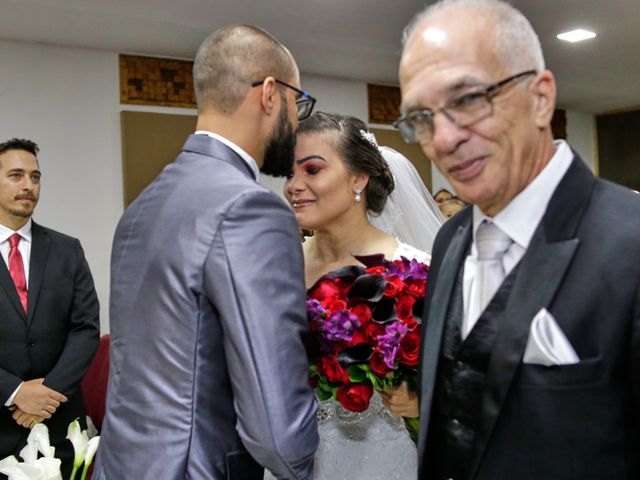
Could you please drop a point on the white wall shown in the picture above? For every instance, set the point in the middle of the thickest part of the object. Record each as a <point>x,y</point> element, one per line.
<point>67,100</point>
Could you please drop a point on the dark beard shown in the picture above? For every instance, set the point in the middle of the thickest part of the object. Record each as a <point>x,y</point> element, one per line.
<point>278,156</point>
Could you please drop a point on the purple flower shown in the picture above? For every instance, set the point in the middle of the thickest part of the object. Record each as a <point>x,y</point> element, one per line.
<point>390,342</point>
<point>417,270</point>
<point>315,310</point>
<point>340,326</point>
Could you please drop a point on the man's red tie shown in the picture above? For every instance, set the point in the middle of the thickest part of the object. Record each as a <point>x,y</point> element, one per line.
<point>16,268</point>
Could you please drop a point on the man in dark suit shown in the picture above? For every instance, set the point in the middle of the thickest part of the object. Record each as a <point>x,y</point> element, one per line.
<point>49,328</point>
<point>530,363</point>
<point>207,306</point>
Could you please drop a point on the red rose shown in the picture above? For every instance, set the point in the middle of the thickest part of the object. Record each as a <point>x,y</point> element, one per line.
<point>377,270</point>
<point>409,351</point>
<point>325,289</point>
<point>313,381</point>
<point>358,337</point>
<point>377,364</point>
<point>333,370</point>
<point>394,286</point>
<point>333,304</point>
<point>374,329</point>
<point>400,264</point>
<point>363,312</point>
<point>342,286</point>
<point>355,397</point>
<point>404,311</point>
<point>404,307</point>
<point>416,287</point>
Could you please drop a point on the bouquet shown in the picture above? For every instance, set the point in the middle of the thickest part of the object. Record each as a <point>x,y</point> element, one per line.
<point>365,329</point>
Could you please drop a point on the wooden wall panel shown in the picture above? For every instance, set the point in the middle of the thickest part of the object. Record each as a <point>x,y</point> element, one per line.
<point>149,142</point>
<point>619,148</point>
<point>392,138</point>
<point>156,81</point>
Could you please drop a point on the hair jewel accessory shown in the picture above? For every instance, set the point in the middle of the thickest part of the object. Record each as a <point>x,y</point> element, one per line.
<point>371,138</point>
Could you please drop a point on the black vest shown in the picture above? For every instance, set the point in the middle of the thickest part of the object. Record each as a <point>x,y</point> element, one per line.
<point>461,379</point>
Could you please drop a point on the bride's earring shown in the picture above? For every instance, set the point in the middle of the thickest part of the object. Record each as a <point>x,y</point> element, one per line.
<point>357,196</point>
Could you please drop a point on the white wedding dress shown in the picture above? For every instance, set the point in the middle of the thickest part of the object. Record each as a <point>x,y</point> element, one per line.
<point>369,445</point>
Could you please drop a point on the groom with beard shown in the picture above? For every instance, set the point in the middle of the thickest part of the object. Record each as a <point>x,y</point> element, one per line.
<point>208,374</point>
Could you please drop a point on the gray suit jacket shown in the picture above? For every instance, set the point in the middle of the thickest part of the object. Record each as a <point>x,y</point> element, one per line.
<point>208,371</point>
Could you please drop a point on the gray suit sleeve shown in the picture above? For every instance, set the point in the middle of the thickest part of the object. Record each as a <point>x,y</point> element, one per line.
<point>254,277</point>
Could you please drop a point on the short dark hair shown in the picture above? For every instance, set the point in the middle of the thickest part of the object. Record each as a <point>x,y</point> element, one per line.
<point>231,59</point>
<point>20,144</point>
<point>359,154</point>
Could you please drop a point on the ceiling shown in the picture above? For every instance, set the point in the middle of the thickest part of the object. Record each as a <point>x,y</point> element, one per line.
<point>353,39</point>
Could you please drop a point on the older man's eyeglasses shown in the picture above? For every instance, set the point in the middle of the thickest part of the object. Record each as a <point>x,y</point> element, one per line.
<point>304,101</point>
<point>418,126</point>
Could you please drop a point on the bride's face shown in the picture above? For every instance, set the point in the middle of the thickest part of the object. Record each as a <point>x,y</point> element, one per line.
<point>320,189</point>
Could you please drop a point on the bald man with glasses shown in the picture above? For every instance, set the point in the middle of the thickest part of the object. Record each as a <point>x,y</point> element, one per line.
<point>530,363</point>
<point>208,373</point>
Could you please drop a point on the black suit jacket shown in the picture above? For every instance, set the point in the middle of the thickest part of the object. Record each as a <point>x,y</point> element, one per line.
<point>561,422</point>
<point>56,338</point>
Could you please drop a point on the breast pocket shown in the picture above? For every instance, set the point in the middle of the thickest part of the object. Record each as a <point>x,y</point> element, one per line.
<point>584,372</point>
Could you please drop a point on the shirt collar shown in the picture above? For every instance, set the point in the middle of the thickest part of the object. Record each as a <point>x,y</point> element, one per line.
<point>25,232</point>
<point>520,218</point>
<point>249,160</point>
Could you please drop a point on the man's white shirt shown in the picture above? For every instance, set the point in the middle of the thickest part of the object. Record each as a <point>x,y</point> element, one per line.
<point>249,160</point>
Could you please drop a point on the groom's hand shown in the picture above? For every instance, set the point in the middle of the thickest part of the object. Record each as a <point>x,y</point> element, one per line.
<point>401,401</point>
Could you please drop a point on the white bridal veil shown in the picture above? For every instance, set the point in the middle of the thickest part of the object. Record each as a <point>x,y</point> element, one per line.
<point>410,214</point>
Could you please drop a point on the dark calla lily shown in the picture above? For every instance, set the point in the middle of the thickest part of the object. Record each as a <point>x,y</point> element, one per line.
<point>372,260</point>
<point>367,287</point>
<point>357,354</point>
<point>384,311</point>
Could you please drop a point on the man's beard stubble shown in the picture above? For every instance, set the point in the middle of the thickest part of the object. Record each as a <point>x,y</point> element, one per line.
<point>278,156</point>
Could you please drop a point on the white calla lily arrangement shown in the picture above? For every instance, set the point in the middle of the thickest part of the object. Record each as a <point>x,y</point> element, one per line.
<point>47,467</point>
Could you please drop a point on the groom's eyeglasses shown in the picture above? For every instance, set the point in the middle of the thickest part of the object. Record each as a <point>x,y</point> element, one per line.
<point>304,101</point>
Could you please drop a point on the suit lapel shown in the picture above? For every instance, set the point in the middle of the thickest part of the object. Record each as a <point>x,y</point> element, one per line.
<point>432,334</point>
<point>10,289</point>
<point>39,256</point>
<point>539,277</point>
<point>211,147</point>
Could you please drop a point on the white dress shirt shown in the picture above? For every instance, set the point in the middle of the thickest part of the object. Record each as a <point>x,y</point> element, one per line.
<point>519,220</point>
<point>249,160</point>
<point>25,250</point>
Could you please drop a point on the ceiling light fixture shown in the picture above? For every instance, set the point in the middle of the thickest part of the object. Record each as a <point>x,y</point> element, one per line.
<point>576,35</point>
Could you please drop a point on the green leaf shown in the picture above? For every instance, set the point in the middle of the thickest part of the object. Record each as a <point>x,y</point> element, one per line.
<point>413,427</point>
<point>356,374</point>
<point>375,380</point>
<point>322,394</point>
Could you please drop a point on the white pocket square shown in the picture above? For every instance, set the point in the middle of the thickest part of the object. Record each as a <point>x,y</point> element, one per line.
<point>547,344</point>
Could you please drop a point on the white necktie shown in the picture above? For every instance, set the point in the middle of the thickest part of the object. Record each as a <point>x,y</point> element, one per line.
<point>491,243</point>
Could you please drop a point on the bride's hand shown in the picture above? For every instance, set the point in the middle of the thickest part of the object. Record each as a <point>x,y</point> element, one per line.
<point>401,401</point>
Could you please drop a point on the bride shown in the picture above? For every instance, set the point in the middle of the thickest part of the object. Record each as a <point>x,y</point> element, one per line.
<point>339,187</point>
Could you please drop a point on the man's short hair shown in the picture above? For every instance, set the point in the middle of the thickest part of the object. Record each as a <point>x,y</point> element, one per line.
<point>231,59</point>
<point>516,43</point>
<point>20,144</point>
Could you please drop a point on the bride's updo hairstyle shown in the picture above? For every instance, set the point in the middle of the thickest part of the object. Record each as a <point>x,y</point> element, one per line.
<point>360,154</point>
